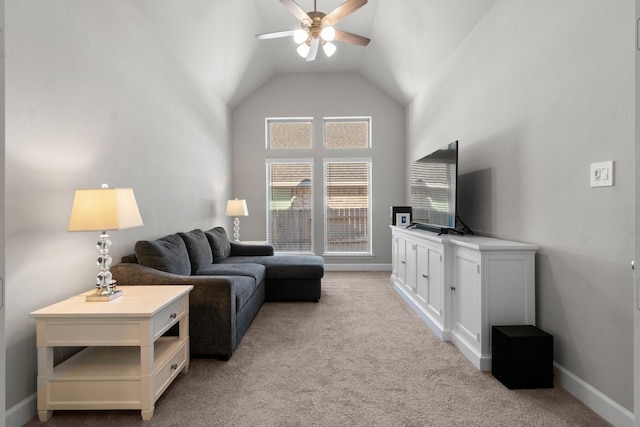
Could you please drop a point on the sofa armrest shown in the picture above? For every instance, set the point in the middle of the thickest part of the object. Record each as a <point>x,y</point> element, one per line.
<point>212,305</point>
<point>239,249</point>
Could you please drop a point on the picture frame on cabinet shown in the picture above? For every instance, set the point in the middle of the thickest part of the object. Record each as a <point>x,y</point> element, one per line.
<point>395,210</point>
<point>403,219</point>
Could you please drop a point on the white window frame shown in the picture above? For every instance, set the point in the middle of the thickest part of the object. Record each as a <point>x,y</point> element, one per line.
<point>270,161</point>
<point>369,251</point>
<point>349,119</point>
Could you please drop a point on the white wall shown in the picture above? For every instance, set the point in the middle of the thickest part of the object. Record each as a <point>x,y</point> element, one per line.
<point>318,96</point>
<point>94,95</point>
<point>537,92</point>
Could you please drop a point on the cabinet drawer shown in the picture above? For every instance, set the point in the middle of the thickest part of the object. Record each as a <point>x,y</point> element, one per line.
<point>169,316</point>
<point>167,372</point>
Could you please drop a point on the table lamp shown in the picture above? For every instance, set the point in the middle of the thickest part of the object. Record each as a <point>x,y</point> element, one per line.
<point>237,208</point>
<point>103,209</point>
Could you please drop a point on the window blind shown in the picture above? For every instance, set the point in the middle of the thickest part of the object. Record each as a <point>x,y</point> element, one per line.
<point>290,205</point>
<point>346,132</point>
<point>347,206</point>
<point>289,133</point>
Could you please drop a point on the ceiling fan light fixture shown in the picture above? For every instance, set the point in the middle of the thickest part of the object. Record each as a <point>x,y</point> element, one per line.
<point>329,49</point>
<point>303,50</point>
<point>317,28</point>
<point>300,36</point>
<point>328,34</point>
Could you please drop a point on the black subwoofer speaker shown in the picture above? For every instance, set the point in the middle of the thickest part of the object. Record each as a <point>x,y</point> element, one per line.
<point>522,356</point>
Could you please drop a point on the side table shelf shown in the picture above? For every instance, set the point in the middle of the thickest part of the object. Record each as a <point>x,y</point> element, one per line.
<point>127,363</point>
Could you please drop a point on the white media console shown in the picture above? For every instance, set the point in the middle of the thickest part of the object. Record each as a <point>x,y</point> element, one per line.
<point>460,286</point>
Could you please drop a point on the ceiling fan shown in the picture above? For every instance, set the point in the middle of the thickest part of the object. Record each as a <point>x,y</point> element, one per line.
<point>317,29</point>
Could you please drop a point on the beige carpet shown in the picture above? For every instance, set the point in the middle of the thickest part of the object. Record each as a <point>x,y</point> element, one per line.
<point>359,357</point>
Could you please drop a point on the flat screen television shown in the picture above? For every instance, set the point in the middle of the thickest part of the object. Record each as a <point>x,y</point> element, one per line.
<point>434,179</point>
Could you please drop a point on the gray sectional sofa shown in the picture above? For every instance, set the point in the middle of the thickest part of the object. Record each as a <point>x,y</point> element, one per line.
<point>231,281</point>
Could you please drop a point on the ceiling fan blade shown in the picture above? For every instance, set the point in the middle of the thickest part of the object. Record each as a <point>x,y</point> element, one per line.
<point>347,37</point>
<point>346,8</point>
<point>275,35</point>
<point>315,43</point>
<point>297,11</point>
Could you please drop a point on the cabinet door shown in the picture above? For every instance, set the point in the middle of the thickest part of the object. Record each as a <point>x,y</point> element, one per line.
<point>429,280</point>
<point>466,296</point>
<point>411,264</point>
<point>401,263</point>
<point>395,259</point>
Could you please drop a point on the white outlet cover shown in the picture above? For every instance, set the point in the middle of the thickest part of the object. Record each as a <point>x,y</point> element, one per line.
<point>602,174</point>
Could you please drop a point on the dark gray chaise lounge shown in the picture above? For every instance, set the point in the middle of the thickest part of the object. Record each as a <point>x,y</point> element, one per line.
<point>231,281</point>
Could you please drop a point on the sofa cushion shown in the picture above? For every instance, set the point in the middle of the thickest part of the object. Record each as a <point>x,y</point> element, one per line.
<point>168,254</point>
<point>220,245</point>
<point>257,271</point>
<point>245,289</point>
<point>130,259</point>
<point>285,266</point>
<point>198,249</point>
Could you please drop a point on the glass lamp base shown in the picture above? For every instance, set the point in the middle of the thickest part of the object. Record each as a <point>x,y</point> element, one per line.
<point>104,281</point>
<point>236,229</point>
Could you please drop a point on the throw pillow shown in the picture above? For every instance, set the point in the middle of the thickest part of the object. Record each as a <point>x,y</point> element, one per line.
<point>198,248</point>
<point>220,246</point>
<point>168,254</point>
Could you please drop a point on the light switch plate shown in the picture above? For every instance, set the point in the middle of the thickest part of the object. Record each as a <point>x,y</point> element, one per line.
<point>602,174</point>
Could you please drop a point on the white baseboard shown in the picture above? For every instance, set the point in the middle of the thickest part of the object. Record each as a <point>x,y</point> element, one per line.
<point>597,401</point>
<point>357,267</point>
<point>22,412</point>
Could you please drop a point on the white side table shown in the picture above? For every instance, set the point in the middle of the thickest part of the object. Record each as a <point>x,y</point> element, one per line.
<point>253,242</point>
<point>127,364</point>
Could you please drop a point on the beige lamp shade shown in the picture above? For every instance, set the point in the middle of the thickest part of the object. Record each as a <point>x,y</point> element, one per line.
<point>104,209</point>
<point>237,208</point>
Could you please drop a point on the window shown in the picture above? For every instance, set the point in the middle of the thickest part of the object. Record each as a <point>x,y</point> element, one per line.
<point>289,132</point>
<point>347,185</point>
<point>290,205</point>
<point>350,132</point>
<point>347,201</point>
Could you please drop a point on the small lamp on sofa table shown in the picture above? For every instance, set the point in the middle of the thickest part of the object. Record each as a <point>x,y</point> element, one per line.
<point>103,209</point>
<point>237,208</point>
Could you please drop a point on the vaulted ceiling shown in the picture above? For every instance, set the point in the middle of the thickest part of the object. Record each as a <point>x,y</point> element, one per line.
<point>214,43</point>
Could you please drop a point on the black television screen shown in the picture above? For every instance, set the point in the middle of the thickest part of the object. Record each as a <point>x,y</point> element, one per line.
<point>433,189</point>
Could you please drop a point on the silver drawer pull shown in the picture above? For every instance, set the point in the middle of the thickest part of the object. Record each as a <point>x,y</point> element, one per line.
<point>174,366</point>
<point>173,316</point>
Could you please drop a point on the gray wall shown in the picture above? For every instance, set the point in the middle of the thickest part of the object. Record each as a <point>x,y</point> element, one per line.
<point>537,92</point>
<point>318,96</point>
<point>94,95</point>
